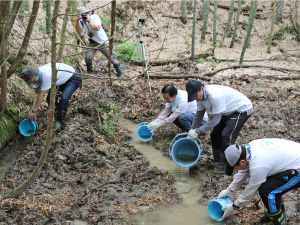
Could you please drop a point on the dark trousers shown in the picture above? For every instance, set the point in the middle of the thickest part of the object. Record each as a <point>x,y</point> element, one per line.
<point>226,132</point>
<point>65,93</point>
<point>275,186</point>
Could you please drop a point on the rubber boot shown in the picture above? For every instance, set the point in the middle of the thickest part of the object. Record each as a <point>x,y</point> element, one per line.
<point>266,218</point>
<point>119,70</point>
<point>278,218</point>
<point>216,154</point>
<point>61,115</point>
<point>89,67</point>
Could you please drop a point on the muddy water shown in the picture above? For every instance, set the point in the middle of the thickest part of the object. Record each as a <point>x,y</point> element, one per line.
<point>187,212</point>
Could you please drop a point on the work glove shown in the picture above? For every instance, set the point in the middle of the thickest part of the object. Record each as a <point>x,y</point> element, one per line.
<point>153,126</point>
<point>192,134</point>
<point>228,210</point>
<point>225,193</point>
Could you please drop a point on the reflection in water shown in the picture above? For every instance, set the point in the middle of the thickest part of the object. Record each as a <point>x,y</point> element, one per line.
<point>187,212</point>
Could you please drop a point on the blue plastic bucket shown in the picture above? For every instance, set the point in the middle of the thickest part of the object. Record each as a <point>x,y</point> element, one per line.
<point>28,127</point>
<point>143,132</point>
<point>215,206</point>
<point>185,152</point>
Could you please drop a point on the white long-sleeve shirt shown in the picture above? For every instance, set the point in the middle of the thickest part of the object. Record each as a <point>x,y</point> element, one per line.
<point>176,108</point>
<point>267,157</point>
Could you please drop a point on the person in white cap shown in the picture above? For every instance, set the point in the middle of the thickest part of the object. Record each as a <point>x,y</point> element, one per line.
<point>272,166</point>
<point>177,109</point>
<point>67,83</point>
<point>230,110</point>
<point>91,24</point>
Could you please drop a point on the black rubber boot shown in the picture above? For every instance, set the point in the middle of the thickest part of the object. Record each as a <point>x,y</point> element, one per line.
<point>61,115</point>
<point>278,218</point>
<point>119,70</point>
<point>89,67</point>
<point>265,219</point>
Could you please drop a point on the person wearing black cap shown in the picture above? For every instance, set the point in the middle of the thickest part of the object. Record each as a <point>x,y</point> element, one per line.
<point>67,84</point>
<point>230,110</point>
<point>273,167</point>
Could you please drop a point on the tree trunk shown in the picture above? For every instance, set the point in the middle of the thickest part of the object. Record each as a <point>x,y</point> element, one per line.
<point>23,187</point>
<point>48,18</point>
<point>84,3</point>
<point>252,15</point>
<point>63,30</point>
<point>230,13</point>
<point>183,11</point>
<point>270,38</point>
<point>12,18</point>
<point>4,9</point>
<point>249,29</point>
<point>74,12</point>
<point>23,48</point>
<point>22,10</point>
<point>280,5</point>
<point>215,24</point>
<point>207,9</point>
<point>194,30</point>
<point>112,31</point>
<point>236,23</point>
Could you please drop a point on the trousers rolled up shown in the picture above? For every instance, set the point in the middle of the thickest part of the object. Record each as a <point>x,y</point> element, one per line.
<point>104,49</point>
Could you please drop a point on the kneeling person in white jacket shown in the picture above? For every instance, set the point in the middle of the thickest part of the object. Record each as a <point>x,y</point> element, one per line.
<point>177,109</point>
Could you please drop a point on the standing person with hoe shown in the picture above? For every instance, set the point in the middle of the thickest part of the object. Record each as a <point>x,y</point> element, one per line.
<point>67,83</point>
<point>177,109</point>
<point>91,24</point>
<point>230,110</point>
<point>272,166</point>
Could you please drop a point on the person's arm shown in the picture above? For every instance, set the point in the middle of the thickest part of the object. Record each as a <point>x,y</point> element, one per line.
<point>95,25</point>
<point>198,119</point>
<point>211,123</point>
<point>257,177</point>
<point>238,179</point>
<point>77,27</point>
<point>170,118</point>
<point>163,114</point>
<point>38,98</point>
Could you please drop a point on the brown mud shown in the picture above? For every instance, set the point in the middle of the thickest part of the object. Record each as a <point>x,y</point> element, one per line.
<point>93,176</point>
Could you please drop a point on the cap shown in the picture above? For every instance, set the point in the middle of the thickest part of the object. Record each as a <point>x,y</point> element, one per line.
<point>29,74</point>
<point>82,9</point>
<point>192,87</point>
<point>232,155</point>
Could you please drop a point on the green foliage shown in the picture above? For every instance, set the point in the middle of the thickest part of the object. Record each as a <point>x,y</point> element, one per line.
<point>8,127</point>
<point>106,20</point>
<point>68,62</point>
<point>279,35</point>
<point>10,61</point>
<point>125,51</point>
<point>110,116</point>
<point>201,60</point>
<point>188,40</point>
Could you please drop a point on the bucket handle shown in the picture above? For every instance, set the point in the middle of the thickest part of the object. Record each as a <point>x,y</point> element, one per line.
<point>178,135</point>
<point>142,123</point>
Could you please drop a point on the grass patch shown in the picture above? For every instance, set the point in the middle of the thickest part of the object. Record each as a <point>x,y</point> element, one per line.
<point>279,35</point>
<point>125,51</point>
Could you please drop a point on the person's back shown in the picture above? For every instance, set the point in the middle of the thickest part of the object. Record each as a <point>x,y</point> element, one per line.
<point>274,155</point>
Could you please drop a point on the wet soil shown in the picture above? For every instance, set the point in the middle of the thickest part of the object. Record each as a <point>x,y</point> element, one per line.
<point>93,175</point>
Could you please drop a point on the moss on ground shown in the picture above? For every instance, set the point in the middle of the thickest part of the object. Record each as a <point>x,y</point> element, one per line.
<point>8,126</point>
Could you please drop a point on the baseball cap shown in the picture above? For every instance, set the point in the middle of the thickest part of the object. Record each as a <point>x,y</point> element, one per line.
<point>232,155</point>
<point>82,9</point>
<point>29,74</point>
<point>192,87</point>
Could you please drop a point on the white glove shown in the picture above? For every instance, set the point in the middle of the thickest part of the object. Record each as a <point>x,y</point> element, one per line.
<point>228,210</point>
<point>153,126</point>
<point>192,134</point>
<point>225,193</point>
